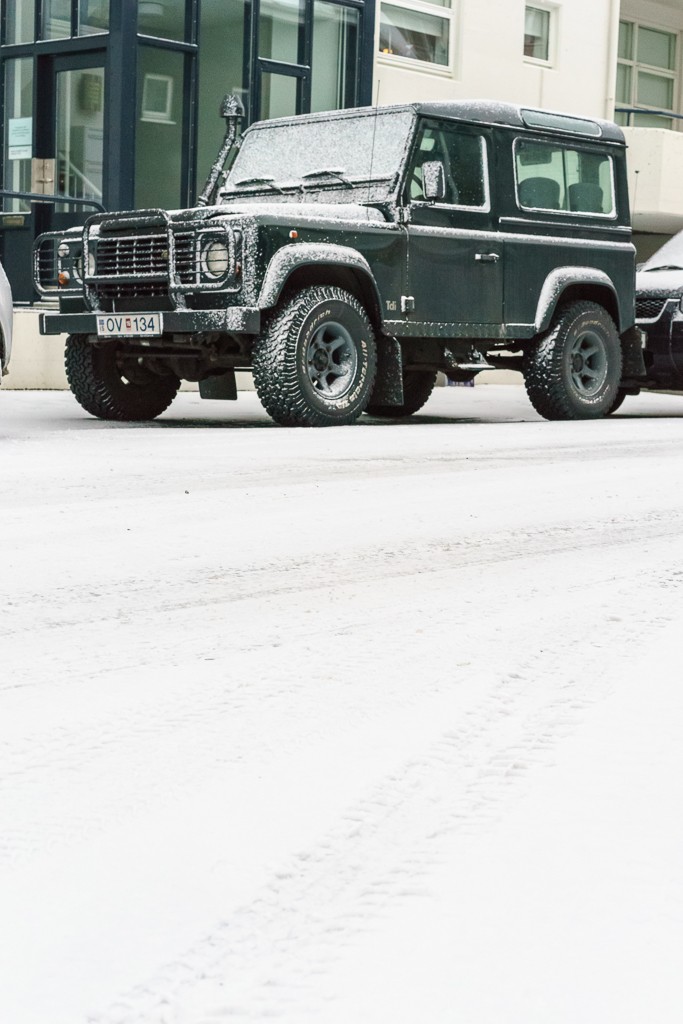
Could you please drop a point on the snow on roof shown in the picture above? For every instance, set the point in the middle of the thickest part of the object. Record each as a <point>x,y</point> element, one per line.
<point>481,111</point>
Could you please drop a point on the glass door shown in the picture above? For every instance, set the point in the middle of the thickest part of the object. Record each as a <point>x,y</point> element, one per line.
<point>308,56</point>
<point>16,214</point>
<point>335,56</point>
<point>53,148</point>
<point>282,66</point>
<point>78,132</point>
<point>69,139</point>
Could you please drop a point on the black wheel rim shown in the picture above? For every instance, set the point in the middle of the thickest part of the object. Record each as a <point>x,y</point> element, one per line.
<point>332,360</point>
<point>588,364</point>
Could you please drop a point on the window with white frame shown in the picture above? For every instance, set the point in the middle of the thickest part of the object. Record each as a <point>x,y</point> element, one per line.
<point>647,77</point>
<point>537,25</point>
<point>417,31</point>
<point>157,98</point>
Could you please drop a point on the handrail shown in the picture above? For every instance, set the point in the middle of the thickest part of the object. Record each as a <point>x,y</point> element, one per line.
<point>38,197</point>
<point>643,110</point>
<point>73,169</point>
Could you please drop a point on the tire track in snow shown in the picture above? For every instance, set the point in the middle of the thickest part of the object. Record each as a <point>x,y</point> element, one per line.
<point>205,718</point>
<point>136,601</point>
<point>269,958</point>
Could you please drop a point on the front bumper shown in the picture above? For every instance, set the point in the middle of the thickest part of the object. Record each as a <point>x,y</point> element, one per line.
<point>664,345</point>
<point>234,320</point>
<point>666,329</point>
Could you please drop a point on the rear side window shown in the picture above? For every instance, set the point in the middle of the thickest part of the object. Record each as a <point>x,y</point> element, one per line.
<point>562,179</point>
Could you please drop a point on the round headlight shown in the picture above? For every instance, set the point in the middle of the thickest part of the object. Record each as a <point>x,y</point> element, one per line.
<point>215,258</point>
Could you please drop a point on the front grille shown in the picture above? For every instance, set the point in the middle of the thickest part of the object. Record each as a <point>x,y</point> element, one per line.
<point>46,262</point>
<point>649,308</point>
<point>142,257</point>
<point>133,290</point>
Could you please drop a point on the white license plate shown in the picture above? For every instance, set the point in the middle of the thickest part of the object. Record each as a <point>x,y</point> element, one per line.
<point>129,325</point>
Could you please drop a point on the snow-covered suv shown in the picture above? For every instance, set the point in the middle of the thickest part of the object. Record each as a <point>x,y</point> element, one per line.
<point>347,257</point>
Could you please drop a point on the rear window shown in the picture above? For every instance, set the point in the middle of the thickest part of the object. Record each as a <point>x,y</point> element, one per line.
<point>562,179</point>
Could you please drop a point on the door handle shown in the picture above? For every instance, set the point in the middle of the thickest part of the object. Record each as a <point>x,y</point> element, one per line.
<point>487,257</point>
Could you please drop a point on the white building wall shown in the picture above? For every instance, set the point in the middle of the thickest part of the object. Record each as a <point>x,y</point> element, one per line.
<point>655,155</point>
<point>488,59</point>
<point>655,172</point>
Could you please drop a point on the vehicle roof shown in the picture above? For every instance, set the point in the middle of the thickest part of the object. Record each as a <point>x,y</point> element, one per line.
<point>485,112</point>
<point>517,116</point>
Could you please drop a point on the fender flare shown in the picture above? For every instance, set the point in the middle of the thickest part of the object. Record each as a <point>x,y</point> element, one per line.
<point>562,278</point>
<point>307,254</point>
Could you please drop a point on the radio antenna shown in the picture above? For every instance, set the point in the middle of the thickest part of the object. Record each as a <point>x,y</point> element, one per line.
<point>372,148</point>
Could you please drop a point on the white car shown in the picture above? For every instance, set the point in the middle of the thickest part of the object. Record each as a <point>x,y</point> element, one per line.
<point>6,313</point>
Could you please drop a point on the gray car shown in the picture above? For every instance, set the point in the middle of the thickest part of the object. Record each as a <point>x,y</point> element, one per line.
<point>6,312</point>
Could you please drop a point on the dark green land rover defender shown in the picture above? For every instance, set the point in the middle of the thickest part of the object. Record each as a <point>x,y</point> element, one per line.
<point>347,257</point>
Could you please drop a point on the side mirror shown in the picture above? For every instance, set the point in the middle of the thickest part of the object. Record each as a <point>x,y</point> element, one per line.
<point>433,180</point>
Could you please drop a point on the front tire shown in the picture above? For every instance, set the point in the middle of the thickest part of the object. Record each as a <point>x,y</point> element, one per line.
<point>109,386</point>
<point>417,387</point>
<point>315,363</point>
<point>574,371</point>
<point>617,403</point>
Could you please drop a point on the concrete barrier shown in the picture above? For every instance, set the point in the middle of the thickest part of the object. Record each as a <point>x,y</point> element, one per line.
<point>36,362</point>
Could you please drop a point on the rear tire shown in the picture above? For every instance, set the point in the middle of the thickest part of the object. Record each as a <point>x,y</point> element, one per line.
<point>107,385</point>
<point>417,387</point>
<point>315,363</point>
<point>574,371</point>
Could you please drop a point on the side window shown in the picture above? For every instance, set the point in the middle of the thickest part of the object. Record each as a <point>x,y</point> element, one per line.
<point>563,179</point>
<point>463,156</point>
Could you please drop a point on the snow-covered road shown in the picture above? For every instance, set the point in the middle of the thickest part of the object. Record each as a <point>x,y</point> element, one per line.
<point>371,724</point>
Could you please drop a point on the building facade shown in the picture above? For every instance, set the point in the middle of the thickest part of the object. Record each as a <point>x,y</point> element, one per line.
<point>114,103</point>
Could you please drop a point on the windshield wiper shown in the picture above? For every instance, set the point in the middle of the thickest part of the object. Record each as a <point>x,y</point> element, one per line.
<point>328,172</point>
<point>265,180</point>
<point>669,266</point>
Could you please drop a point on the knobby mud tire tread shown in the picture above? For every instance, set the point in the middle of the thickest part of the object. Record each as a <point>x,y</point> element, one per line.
<point>617,403</point>
<point>417,388</point>
<point>275,369</point>
<point>543,378</point>
<point>104,395</point>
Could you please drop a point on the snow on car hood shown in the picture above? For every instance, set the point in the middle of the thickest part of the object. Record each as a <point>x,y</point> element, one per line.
<point>664,281</point>
<point>669,256</point>
<point>301,211</point>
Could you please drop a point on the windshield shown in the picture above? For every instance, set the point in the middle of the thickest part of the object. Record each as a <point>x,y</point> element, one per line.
<point>340,152</point>
<point>669,256</point>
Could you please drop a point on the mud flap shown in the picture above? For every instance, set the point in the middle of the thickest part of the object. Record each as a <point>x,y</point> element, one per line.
<point>632,345</point>
<point>222,387</point>
<point>388,388</point>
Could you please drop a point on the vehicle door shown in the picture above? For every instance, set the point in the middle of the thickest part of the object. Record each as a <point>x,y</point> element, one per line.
<point>455,265</point>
